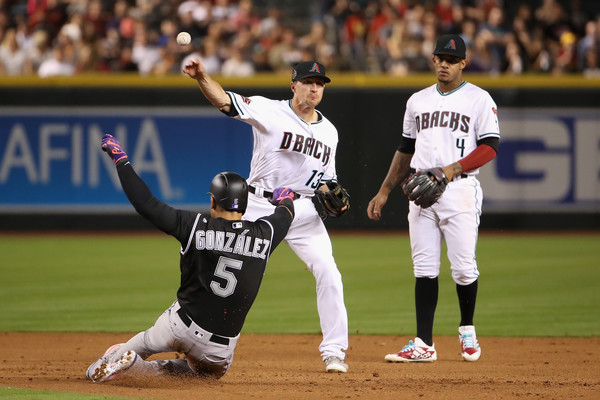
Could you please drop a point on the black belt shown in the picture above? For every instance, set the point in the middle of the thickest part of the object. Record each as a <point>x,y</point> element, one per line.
<point>213,338</point>
<point>462,176</point>
<point>266,193</point>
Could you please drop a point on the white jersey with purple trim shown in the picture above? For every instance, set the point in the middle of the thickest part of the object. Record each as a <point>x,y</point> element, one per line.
<point>287,150</point>
<point>448,125</point>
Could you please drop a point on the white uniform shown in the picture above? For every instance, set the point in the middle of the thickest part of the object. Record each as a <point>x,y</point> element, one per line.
<point>446,127</point>
<point>290,152</point>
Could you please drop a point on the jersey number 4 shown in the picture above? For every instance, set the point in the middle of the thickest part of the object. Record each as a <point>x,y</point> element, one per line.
<point>460,144</point>
<point>230,279</point>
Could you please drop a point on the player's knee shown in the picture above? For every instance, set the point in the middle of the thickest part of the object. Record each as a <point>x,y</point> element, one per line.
<point>465,276</point>
<point>426,271</point>
<point>210,366</point>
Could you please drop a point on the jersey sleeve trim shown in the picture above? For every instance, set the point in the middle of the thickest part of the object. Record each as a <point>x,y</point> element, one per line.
<point>234,102</point>
<point>270,239</point>
<point>189,243</point>
<point>489,135</point>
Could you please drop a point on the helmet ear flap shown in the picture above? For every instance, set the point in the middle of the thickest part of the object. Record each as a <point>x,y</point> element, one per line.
<point>230,191</point>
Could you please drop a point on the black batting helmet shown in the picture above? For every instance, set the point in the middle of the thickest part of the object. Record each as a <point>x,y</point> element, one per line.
<point>230,191</point>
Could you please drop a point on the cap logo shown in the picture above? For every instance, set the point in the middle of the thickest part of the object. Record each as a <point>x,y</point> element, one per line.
<point>315,68</point>
<point>450,45</point>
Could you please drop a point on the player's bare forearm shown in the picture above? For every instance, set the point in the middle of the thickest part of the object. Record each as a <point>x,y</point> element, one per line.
<point>211,89</point>
<point>214,93</point>
<point>398,168</point>
<point>452,170</point>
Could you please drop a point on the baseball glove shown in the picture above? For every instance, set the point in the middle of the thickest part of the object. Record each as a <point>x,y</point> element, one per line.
<point>425,187</point>
<point>333,200</point>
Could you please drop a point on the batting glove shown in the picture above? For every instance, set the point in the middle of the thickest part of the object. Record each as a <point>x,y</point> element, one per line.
<point>281,193</point>
<point>111,145</point>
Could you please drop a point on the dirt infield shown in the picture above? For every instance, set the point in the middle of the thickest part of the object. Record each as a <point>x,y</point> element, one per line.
<point>289,367</point>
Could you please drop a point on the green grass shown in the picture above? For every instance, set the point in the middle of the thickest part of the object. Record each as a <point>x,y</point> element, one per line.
<point>530,285</point>
<point>29,394</point>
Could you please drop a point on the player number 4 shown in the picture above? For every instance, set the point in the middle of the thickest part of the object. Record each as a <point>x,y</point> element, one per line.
<point>460,144</point>
<point>230,279</point>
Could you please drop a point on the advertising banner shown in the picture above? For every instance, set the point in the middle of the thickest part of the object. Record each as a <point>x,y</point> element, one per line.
<point>51,160</point>
<point>548,160</point>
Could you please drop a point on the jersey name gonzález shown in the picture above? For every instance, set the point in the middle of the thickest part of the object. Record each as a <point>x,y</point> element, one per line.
<point>222,266</point>
<point>222,262</point>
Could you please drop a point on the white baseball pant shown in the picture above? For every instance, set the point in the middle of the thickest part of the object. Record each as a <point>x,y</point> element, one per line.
<point>455,219</point>
<point>308,238</point>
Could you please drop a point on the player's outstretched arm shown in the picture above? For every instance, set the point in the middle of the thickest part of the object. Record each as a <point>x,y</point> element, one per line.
<point>398,168</point>
<point>211,89</point>
<point>160,214</point>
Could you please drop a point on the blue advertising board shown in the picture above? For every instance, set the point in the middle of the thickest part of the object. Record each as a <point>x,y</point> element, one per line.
<point>50,158</point>
<point>548,160</point>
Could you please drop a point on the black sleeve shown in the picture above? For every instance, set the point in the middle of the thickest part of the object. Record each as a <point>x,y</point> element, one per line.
<point>407,145</point>
<point>163,216</point>
<point>232,110</point>
<point>281,220</point>
<point>490,141</point>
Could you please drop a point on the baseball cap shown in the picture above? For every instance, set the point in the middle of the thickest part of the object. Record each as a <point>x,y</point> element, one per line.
<point>453,45</point>
<point>306,69</point>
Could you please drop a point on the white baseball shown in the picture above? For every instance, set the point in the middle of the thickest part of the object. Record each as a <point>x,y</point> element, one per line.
<point>183,38</point>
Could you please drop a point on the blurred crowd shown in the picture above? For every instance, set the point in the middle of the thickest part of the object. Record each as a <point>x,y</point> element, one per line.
<point>241,38</point>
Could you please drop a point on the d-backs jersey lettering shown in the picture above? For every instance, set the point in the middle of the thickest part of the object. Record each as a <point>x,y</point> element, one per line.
<point>287,151</point>
<point>447,126</point>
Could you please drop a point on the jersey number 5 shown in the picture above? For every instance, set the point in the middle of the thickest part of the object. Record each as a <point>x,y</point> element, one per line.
<point>221,272</point>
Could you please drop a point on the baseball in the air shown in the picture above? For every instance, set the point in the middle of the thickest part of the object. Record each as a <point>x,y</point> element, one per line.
<point>183,38</point>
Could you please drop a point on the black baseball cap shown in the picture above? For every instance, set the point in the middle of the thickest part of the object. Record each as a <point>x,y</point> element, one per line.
<point>453,45</point>
<point>306,69</point>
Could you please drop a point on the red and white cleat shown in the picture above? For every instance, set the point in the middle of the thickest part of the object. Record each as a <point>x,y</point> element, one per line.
<point>470,349</point>
<point>416,351</point>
